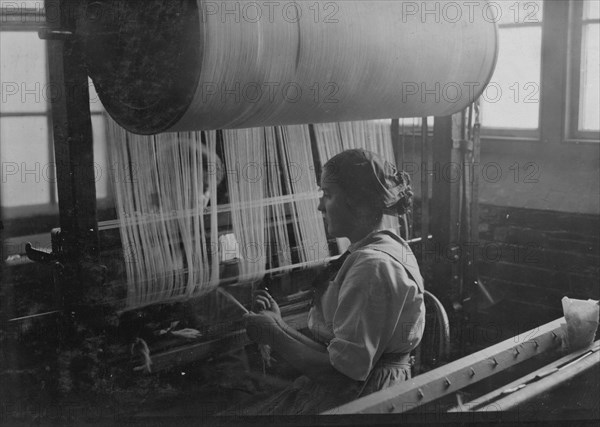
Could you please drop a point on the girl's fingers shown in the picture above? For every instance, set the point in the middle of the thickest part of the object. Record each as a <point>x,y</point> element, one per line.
<point>263,300</point>
<point>260,305</point>
<point>263,293</point>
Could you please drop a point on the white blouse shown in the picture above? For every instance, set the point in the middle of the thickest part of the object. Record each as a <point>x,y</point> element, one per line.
<point>373,306</point>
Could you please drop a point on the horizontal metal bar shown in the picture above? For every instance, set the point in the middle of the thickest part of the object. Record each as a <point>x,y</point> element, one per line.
<point>32,316</point>
<point>53,34</point>
<point>418,239</point>
<point>171,215</point>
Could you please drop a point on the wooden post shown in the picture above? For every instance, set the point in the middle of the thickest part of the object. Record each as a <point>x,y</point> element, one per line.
<point>73,144</point>
<point>443,252</point>
<point>80,278</point>
<point>77,243</point>
<point>444,220</point>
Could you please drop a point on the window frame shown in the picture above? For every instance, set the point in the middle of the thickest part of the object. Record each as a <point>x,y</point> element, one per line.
<point>559,81</point>
<point>576,26</point>
<point>489,132</point>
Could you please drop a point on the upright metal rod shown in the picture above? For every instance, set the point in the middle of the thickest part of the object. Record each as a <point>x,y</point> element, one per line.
<point>425,168</point>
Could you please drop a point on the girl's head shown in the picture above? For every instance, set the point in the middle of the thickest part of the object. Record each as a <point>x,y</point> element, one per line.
<point>358,188</point>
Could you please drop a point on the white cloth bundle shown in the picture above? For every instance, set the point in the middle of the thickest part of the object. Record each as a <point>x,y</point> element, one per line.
<point>582,322</point>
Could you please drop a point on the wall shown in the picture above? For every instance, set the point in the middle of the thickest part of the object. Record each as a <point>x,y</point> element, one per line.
<point>540,237</point>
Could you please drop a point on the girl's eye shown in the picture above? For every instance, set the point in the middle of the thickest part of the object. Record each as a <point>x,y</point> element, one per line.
<point>320,193</point>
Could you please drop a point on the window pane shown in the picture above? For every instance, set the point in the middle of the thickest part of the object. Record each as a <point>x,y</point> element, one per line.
<point>26,171</point>
<point>591,9</point>
<point>23,72</point>
<point>515,11</point>
<point>589,95</point>
<point>409,122</point>
<point>511,100</point>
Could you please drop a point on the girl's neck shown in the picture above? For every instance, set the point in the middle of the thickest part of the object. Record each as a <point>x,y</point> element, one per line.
<point>360,233</point>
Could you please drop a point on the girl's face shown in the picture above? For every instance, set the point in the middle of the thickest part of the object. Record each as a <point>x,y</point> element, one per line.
<point>333,204</point>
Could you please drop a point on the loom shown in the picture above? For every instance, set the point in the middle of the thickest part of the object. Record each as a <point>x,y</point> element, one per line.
<point>189,66</point>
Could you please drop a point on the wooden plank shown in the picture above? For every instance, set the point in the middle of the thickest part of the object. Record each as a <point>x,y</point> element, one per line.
<point>458,374</point>
<point>579,379</point>
<point>550,376</point>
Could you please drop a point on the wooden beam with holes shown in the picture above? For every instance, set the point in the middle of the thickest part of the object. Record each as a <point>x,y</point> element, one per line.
<point>534,384</point>
<point>454,376</point>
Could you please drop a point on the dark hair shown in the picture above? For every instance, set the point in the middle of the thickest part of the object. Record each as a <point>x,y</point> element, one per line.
<point>406,194</point>
<point>370,181</point>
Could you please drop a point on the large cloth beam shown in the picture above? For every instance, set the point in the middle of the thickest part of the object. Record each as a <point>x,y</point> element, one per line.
<point>188,65</point>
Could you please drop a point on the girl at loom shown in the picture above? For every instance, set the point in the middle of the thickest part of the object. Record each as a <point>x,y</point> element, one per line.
<point>370,316</point>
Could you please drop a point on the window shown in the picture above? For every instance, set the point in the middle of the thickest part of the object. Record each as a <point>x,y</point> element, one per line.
<point>510,103</point>
<point>28,186</point>
<point>585,71</point>
<point>24,121</point>
<point>546,85</point>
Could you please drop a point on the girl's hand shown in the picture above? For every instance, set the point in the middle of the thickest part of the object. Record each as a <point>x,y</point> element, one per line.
<point>261,327</point>
<point>264,301</point>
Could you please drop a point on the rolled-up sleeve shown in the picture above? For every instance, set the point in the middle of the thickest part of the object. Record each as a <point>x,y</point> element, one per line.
<point>371,298</point>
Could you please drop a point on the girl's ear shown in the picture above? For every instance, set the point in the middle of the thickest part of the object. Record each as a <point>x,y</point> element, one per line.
<point>364,212</point>
<point>351,202</point>
<point>355,207</point>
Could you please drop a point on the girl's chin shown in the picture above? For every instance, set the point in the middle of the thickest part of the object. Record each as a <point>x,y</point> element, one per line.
<point>332,231</point>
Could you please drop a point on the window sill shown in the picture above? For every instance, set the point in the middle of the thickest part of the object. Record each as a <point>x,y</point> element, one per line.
<point>501,139</point>
<point>581,141</point>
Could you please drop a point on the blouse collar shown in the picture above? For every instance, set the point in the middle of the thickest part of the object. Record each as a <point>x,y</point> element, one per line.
<point>362,242</point>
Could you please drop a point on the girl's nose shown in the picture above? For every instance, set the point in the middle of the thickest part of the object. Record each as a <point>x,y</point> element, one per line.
<point>321,206</point>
